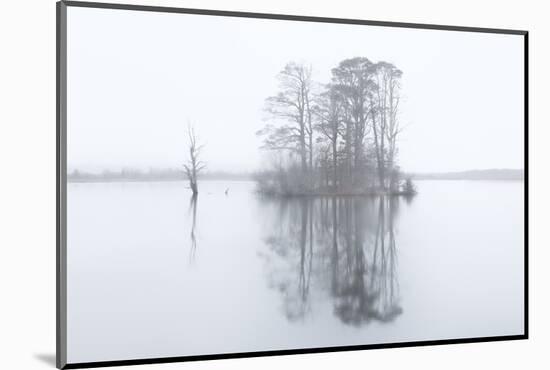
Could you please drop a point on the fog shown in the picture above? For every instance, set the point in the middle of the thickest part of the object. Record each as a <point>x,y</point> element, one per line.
<point>136,79</point>
<point>179,226</point>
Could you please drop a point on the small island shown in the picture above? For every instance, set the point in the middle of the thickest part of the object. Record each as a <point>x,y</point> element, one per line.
<point>338,138</point>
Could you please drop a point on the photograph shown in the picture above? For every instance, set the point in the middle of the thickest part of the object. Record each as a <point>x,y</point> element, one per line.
<point>253,184</point>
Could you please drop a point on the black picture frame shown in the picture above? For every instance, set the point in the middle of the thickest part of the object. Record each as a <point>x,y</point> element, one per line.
<point>61,177</point>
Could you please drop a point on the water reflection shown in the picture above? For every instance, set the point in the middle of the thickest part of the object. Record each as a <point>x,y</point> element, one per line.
<point>341,249</point>
<point>193,211</point>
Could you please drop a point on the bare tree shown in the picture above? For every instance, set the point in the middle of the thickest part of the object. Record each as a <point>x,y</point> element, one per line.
<point>393,128</point>
<point>328,111</point>
<point>384,115</point>
<point>292,105</point>
<point>194,165</point>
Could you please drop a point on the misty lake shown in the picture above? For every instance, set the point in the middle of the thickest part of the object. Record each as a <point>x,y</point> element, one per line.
<point>153,272</point>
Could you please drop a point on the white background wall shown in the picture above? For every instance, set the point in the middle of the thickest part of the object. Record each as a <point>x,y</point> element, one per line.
<point>27,186</point>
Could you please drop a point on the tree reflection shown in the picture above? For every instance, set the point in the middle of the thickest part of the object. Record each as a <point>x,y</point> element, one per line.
<point>343,248</point>
<point>291,248</point>
<point>193,210</point>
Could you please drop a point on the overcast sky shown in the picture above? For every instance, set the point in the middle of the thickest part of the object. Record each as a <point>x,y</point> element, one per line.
<point>136,78</point>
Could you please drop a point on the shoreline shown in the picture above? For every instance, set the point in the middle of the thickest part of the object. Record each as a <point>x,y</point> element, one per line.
<point>94,181</point>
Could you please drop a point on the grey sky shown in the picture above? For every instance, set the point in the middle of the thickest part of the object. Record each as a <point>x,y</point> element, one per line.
<point>136,78</point>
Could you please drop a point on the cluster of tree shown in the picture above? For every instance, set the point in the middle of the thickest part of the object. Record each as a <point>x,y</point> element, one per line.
<point>340,248</point>
<point>339,137</point>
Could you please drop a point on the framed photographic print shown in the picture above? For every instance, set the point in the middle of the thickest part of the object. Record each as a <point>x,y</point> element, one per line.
<point>239,184</point>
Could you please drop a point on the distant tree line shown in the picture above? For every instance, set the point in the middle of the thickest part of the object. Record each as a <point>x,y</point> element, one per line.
<point>339,137</point>
<point>126,174</point>
<point>152,174</point>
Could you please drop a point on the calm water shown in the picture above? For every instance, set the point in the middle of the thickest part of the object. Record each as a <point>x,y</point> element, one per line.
<point>153,272</point>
